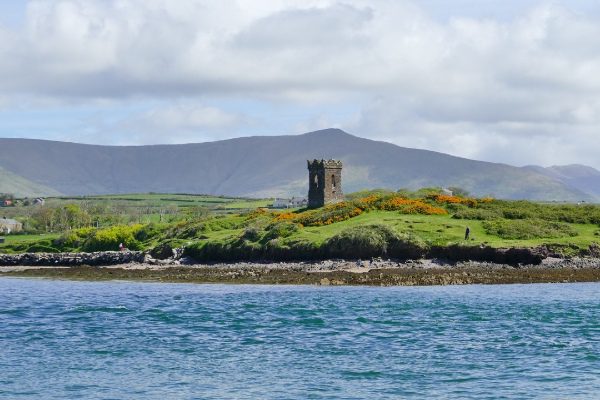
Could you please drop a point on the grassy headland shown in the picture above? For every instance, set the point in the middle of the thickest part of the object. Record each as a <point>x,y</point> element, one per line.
<point>386,224</point>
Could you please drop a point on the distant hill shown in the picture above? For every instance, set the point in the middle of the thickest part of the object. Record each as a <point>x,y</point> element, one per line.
<point>21,187</point>
<point>266,166</point>
<point>579,177</point>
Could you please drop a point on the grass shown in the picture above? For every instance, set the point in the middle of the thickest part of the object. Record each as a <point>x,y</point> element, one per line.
<point>20,243</point>
<point>424,219</point>
<point>19,239</point>
<point>433,229</point>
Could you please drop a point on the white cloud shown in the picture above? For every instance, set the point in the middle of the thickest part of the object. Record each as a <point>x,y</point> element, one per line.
<point>471,86</point>
<point>180,123</point>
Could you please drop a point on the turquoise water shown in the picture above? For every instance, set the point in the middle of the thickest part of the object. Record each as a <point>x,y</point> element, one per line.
<point>124,340</point>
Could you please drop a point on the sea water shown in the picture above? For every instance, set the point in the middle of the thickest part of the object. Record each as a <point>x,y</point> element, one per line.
<point>127,340</point>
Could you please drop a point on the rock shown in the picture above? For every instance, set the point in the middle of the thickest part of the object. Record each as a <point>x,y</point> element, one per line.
<point>72,259</point>
<point>163,251</point>
<point>594,250</point>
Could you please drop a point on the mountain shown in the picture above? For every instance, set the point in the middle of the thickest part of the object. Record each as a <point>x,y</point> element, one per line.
<point>265,166</point>
<point>21,187</point>
<point>576,176</point>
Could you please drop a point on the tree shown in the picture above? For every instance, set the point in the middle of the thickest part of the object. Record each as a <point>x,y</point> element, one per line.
<point>7,196</point>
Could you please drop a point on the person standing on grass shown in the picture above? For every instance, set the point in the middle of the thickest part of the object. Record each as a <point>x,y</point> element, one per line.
<point>467,233</point>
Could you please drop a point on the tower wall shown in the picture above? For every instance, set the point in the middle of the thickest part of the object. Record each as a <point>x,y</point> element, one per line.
<point>324,182</point>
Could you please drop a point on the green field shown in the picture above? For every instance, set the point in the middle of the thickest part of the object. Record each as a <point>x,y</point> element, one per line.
<point>367,224</point>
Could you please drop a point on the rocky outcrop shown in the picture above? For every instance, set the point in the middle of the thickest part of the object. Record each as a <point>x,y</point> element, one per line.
<point>510,256</point>
<point>72,259</point>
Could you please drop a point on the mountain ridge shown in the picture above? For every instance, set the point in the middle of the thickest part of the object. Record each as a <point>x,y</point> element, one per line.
<point>267,166</point>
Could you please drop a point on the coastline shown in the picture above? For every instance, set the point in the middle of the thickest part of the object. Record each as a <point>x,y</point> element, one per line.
<point>423,272</point>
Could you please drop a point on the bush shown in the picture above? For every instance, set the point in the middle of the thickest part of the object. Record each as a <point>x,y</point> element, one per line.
<point>446,199</point>
<point>280,229</point>
<point>367,193</point>
<point>73,240</point>
<point>409,206</point>
<point>475,213</point>
<point>251,233</point>
<point>197,228</point>
<point>109,238</point>
<point>329,214</point>
<point>147,232</point>
<point>528,229</point>
<point>372,241</point>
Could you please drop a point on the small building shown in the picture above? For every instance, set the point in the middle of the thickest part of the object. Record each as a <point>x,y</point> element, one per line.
<point>281,203</point>
<point>447,192</point>
<point>294,202</point>
<point>10,225</point>
<point>40,201</point>
<point>7,203</point>
<point>298,202</point>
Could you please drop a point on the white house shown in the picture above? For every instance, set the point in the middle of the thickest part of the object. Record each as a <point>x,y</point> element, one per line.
<point>10,225</point>
<point>294,202</point>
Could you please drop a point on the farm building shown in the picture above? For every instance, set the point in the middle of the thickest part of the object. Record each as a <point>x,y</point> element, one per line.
<point>10,225</point>
<point>294,202</point>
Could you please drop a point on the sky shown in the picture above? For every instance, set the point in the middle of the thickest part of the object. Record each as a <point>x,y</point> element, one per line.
<point>513,81</point>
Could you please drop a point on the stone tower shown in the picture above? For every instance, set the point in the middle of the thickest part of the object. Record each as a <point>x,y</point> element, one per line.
<point>324,182</point>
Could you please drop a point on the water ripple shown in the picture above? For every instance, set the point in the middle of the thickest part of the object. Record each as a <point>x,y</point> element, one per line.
<point>71,340</point>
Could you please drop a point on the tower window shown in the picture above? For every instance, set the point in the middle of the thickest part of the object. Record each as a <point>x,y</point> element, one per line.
<point>333,182</point>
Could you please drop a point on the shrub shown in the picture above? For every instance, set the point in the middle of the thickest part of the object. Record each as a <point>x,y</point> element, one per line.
<point>368,193</point>
<point>74,239</point>
<point>251,233</point>
<point>196,228</point>
<point>286,216</point>
<point>515,213</point>
<point>528,229</point>
<point>281,229</point>
<point>372,241</point>
<point>446,199</point>
<point>409,206</point>
<point>242,249</point>
<point>329,214</point>
<point>147,232</point>
<point>475,213</point>
<point>110,238</point>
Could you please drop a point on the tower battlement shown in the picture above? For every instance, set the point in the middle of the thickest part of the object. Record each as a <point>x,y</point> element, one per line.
<point>324,164</point>
<point>324,182</point>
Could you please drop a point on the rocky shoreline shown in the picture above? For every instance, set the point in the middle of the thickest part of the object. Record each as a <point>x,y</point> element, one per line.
<point>101,258</point>
<point>378,272</point>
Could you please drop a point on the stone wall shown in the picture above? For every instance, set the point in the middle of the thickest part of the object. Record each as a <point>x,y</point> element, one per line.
<point>72,259</point>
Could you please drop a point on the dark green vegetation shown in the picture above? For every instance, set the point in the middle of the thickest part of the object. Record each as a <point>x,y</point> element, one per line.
<point>271,166</point>
<point>93,223</point>
<point>400,225</point>
<point>378,277</point>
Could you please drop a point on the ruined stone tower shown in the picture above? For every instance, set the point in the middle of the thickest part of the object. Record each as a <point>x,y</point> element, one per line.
<point>324,182</point>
